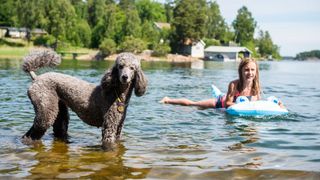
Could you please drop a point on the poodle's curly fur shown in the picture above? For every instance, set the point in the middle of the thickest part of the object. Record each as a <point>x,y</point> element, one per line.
<point>103,105</point>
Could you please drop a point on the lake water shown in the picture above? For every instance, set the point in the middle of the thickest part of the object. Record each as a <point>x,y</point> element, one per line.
<point>172,142</point>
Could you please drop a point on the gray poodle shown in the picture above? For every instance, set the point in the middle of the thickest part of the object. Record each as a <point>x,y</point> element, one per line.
<point>103,105</point>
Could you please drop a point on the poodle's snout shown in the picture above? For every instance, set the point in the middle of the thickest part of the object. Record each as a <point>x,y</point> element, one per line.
<point>124,78</point>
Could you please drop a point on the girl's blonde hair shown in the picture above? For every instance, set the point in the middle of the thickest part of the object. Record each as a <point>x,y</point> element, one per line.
<point>256,82</point>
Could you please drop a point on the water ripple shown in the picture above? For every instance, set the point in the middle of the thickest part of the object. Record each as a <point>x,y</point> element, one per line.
<point>171,142</point>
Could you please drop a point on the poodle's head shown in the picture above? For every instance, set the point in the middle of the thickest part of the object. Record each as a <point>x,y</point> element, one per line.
<point>126,70</point>
<point>126,66</point>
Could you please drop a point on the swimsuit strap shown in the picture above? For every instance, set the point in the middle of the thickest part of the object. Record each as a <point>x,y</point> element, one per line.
<point>236,96</point>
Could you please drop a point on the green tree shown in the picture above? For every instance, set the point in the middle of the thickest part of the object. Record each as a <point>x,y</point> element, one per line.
<point>131,44</point>
<point>216,25</point>
<point>114,21</point>
<point>107,47</point>
<point>314,54</point>
<point>81,8</point>
<point>126,4</point>
<point>276,52</point>
<point>45,40</point>
<point>97,34</point>
<point>27,13</point>
<point>169,6</point>
<point>81,34</point>
<point>161,50</point>
<point>96,11</point>
<point>150,34</point>
<point>151,11</point>
<point>132,25</point>
<point>61,19</point>
<point>266,46</point>
<point>110,26</point>
<point>7,13</point>
<point>244,26</point>
<point>211,42</point>
<point>189,22</point>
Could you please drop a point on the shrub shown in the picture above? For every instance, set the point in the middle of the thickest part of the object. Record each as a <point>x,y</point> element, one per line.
<point>80,35</point>
<point>134,45</point>
<point>107,47</point>
<point>4,41</point>
<point>46,40</point>
<point>161,50</point>
<point>212,42</point>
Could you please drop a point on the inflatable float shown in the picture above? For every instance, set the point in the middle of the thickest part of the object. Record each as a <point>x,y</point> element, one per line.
<point>244,107</point>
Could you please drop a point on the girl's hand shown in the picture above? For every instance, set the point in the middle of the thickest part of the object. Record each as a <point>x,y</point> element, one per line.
<point>281,105</point>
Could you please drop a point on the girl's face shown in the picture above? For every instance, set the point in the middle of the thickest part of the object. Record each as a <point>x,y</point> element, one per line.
<point>249,71</point>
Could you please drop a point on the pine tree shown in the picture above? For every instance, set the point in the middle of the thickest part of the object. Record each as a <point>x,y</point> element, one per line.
<point>189,20</point>
<point>244,26</point>
<point>60,19</point>
<point>216,25</point>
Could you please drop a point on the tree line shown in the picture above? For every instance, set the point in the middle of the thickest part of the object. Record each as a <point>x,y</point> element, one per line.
<point>128,25</point>
<point>314,54</point>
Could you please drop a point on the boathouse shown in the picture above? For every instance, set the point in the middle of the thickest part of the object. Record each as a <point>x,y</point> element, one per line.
<point>226,53</point>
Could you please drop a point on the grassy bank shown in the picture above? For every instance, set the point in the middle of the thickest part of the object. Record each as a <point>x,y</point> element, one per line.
<point>19,52</point>
<point>14,48</point>
<point>14,52</point>
<point>17,49</point>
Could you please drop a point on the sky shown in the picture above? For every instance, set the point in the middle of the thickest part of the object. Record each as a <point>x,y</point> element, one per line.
<point>294,25</point>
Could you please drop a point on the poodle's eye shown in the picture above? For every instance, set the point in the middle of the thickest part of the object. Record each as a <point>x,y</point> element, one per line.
<point>120,66</point>
<point>132,68</point>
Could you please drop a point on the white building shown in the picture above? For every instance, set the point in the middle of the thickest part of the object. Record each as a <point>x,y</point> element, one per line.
<point>226,53</point>
<point>3,31</point>
<point>195,49</point>
<point>16,32</point>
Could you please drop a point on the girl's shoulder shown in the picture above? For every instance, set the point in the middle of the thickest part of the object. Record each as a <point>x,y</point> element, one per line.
<point>234,82</point>
<point>233,86</point>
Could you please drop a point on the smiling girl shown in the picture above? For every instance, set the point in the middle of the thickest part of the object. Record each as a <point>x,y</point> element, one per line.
<point>248,85</point>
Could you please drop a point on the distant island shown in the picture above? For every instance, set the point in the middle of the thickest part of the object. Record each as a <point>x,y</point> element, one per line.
<point>308,55</point>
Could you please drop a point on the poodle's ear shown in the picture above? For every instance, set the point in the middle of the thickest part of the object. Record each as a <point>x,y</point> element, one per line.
<point>141,82</point>
<point>109,78</point>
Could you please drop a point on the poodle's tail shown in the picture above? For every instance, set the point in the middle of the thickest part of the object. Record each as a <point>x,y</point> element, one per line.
<point>38,59</point>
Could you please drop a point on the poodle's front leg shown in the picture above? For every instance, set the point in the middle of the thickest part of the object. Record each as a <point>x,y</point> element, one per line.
<point>110,126</point>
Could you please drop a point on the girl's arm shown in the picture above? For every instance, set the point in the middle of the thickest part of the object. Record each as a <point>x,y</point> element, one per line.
<point>230,94</point>
<point>259,96</point>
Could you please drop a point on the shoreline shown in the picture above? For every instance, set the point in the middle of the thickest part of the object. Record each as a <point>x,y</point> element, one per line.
<point>7,52</point>
<point>19,53</point>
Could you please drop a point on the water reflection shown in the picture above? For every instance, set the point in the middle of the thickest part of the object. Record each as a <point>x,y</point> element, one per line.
<point>199,64</point>
<point>61,160</point>
<point>239,173</point>
<point>10,64</point>
<point>247,134</point>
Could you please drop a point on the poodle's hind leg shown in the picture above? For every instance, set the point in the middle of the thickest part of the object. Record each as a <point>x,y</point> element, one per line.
<point>60,126</point>
<point>46,109</point>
